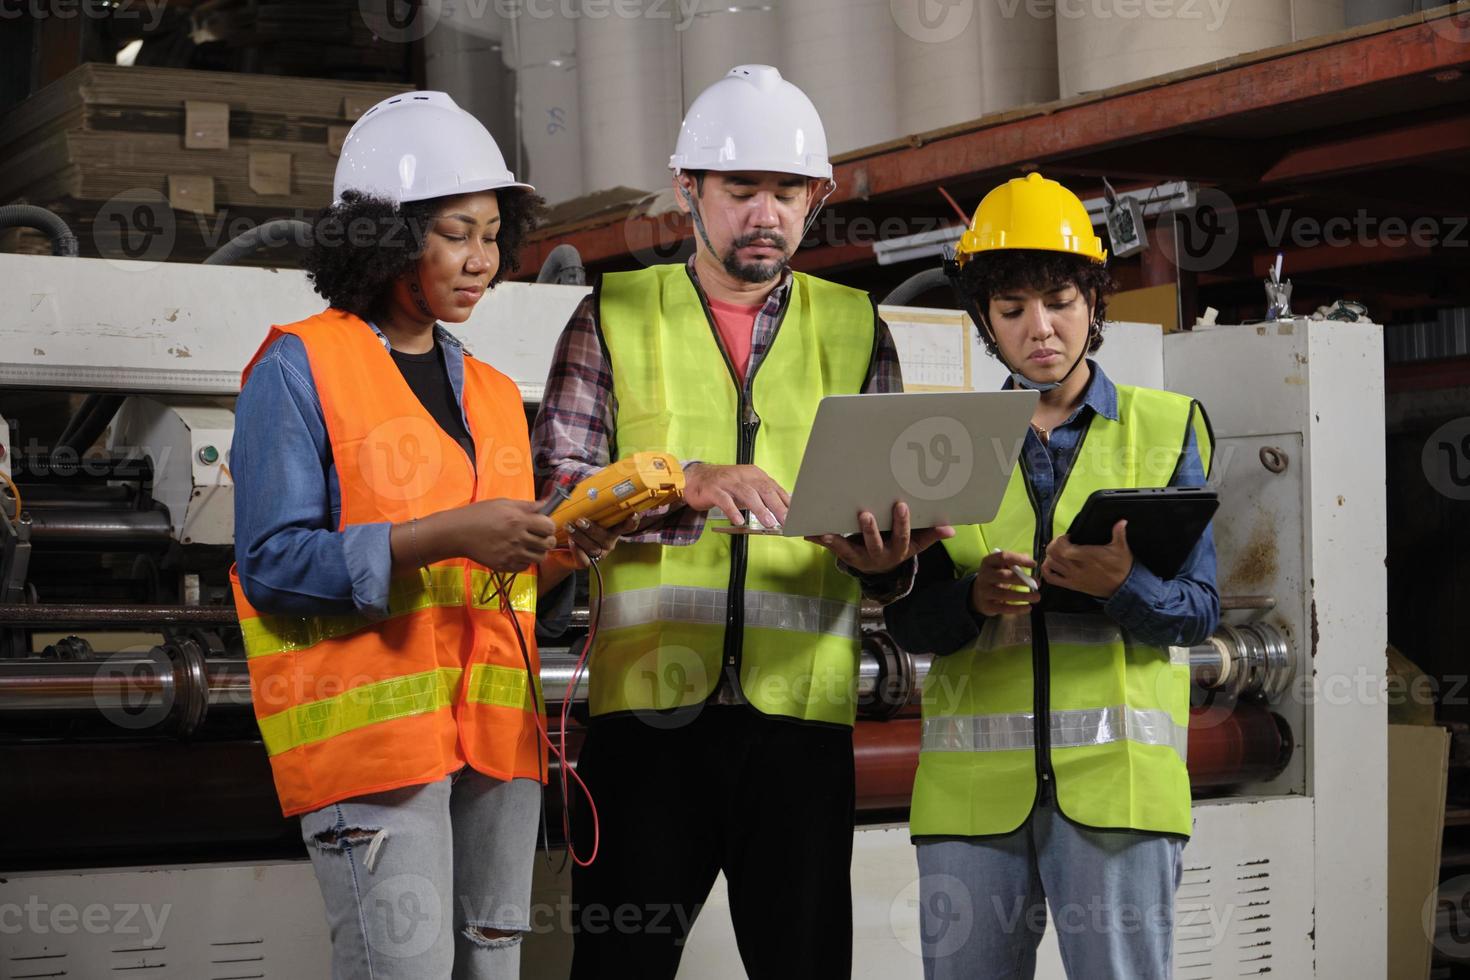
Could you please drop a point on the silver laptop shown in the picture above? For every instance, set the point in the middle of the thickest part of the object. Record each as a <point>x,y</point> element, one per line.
<point>948,455</point>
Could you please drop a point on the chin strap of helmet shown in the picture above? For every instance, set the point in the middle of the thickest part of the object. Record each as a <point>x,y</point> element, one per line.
<point>695,216</point>
<point>812,217</point>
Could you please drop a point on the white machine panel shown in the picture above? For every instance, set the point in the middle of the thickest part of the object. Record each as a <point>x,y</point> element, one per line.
<point>189,447</point>
<point>214,922</point>
<point>1314,390</point>
<point>1244,909</point>
<point>1245,905</point>
<point>190,329</point>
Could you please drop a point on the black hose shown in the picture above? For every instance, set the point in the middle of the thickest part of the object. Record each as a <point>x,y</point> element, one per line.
<point>63,239</point>
<point>914,286</point>
<point>78,419</point>
<point>90,420</point>
<point>279,231</point>
<point>563,266</point>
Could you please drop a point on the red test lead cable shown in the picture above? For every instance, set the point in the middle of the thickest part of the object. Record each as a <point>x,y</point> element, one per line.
<point>503,586</point>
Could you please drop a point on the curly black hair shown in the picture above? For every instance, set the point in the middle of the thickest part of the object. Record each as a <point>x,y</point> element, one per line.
<point>1002,270</point>
<point>362,244</point>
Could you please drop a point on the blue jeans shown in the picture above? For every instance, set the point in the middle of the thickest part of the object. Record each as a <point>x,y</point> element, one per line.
<point>430,881</point>
<point>983,904</point>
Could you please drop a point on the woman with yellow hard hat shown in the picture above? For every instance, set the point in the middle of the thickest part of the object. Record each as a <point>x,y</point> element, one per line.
<point>1052,768</point>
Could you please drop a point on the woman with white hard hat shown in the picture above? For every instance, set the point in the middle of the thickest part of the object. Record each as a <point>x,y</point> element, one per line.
<point>389,555</point>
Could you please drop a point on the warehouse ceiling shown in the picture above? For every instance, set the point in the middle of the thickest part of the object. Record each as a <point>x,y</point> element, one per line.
<point>1368,127</point>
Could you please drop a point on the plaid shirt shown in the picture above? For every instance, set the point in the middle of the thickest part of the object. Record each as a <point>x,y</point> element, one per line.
<point>573,434</point>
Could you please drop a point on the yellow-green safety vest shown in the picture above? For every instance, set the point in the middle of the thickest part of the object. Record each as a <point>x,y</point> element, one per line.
<point>773,613</point>
<point>1067,695</point>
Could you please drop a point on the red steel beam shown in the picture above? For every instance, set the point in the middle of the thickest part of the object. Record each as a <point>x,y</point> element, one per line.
<point>1347,255</point>
<point>1143,111</point>
<point>1170,158</point>
<point>1409,144</point>
<point>1149,111</point>
<point>1449,372</point>
<point>828,257</point>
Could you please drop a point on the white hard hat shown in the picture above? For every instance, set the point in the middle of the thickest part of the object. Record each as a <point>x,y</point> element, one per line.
<point>417,146</point>
<point>753,119</point>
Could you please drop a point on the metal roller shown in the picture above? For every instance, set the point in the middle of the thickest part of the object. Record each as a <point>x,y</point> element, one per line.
<point>170,689</point>
<point>556,675</point>
<point>79,496</point>
<point>1240,661</point>
<point>152,618</point>
<point>100,529</point>
<point>887,676</point>
<point>62,687</point>
<point>193,675</point>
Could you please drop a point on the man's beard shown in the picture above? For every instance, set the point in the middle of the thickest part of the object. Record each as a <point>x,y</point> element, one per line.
<point>756,271</point>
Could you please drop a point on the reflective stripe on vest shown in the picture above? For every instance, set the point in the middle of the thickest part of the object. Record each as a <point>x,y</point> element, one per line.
<point>665,609</point>
<point>763,610</point>
<point>1080,726</point>
<point>398,697</point>
<point>504,687</point>
<point>440,586</point>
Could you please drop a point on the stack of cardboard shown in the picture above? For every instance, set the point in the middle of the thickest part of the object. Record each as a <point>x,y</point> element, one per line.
<point>205,153</point>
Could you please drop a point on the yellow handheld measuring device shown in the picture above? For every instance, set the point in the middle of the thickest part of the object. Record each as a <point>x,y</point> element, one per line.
<point>615,493</point>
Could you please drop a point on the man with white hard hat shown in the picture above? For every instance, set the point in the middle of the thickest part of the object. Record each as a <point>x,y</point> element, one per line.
<point>723,671</point>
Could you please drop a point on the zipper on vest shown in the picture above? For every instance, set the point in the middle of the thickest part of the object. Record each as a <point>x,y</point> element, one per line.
<point>747,425</point>
<point>1041,641</point>
<point>739,557</point>
<point>469,578</point>
<point>1040,658</point>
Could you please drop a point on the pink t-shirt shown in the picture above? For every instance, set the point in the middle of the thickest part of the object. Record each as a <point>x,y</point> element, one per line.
<point>737,329</point>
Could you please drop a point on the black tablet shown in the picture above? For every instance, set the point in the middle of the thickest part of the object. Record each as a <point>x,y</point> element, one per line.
<point>1164,523</point>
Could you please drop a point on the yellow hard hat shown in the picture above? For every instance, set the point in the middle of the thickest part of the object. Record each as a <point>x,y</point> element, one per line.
<point>1031,212</point>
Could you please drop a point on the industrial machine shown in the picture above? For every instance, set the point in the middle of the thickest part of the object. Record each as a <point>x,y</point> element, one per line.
<point>141,829</point>
<point>1286,871</point>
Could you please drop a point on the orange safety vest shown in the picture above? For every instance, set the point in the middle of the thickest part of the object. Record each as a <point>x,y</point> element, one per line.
<point>347,704</point>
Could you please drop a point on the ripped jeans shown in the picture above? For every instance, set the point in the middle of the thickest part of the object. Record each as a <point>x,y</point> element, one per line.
<point>428,882</point>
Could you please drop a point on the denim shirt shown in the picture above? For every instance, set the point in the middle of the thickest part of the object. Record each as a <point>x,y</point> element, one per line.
<point>936,616</point>
<point>289,555</point>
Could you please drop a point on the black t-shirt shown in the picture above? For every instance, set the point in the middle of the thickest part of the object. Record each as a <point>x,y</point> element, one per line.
<point>429,379</point>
